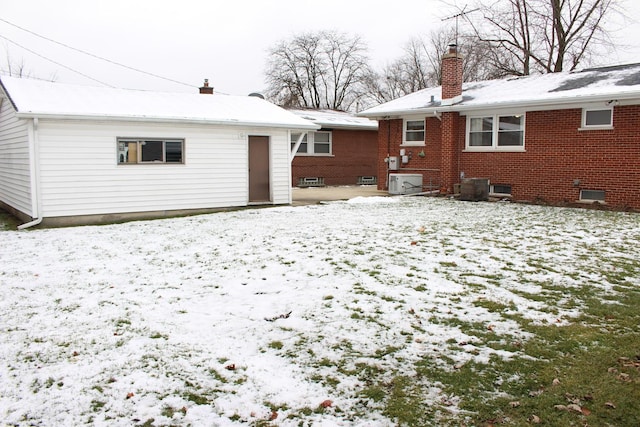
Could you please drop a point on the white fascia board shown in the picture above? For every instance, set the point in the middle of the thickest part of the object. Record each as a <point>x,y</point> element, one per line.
<point>31,115</point>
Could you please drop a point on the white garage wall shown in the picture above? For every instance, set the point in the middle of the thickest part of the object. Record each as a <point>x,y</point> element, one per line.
<point>80,174</point>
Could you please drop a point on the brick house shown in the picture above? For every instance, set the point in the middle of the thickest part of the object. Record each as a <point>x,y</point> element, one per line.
<point>559,138</point>
<point>342,152</point>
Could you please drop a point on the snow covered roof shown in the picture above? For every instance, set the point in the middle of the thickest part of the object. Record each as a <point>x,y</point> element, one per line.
<point>336,119</point>
<point>556,90</point>
<point>36,98</point>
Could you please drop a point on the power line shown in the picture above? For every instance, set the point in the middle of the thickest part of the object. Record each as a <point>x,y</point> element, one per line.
<point>89,54</point>
<point>55,62</point>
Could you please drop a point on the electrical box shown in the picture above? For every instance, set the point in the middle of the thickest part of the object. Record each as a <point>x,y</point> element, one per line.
<point>393,163</point>
<point>405,183</point>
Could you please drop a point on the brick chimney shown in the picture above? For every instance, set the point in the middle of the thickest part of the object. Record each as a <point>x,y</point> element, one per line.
<point>206,89</point>
<point>451,76</point>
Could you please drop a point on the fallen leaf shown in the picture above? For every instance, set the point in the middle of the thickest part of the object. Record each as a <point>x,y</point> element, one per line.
<point>536,393</point>
<point>130,395</point>
<point>585,411</point>
<point>575,408</point>
<point>414,243</point>
<point>514,404</point>
<point>561,407</point>
<point>491,327</point>
<point>273,415</point>
<point>534,419</point>
<point>231,367</point>
<point>624,377</point>
<point>555,381</point>
<point>610,405</point>
<point>327,403</point>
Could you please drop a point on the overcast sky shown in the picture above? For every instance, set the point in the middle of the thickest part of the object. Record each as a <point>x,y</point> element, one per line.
<point>224,41</point>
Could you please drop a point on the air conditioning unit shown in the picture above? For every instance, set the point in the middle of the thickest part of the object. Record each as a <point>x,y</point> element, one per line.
<point>474,190</point>
<point>404,183</point>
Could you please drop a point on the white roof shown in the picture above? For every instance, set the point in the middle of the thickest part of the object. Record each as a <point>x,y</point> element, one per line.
<point>554,90</point>
<point>37,98</point>
<point>336,119</point>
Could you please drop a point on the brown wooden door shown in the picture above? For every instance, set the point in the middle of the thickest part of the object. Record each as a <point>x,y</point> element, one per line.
<point>259,185</point>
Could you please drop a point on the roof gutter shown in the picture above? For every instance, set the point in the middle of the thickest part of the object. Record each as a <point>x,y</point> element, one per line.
<point>34,165</point>
<point>543,104</point>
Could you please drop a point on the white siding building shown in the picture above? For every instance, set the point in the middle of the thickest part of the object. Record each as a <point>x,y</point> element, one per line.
<point>78,155</point>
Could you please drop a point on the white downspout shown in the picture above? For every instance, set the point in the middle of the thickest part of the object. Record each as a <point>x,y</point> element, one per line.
<point>34,164</point>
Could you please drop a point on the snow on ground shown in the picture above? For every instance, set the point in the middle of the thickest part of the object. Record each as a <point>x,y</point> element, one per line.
<point>218,319</point>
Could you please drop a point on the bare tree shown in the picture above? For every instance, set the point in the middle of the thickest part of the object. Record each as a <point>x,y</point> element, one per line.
<point>420,66</point>
<point>325,69</point>
<point>12,67</point>
<point>542,35</point>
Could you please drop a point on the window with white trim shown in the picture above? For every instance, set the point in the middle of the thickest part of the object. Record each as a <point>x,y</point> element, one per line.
<point>495,132</point>
<point>500,189</point>
<point>136,151</point>
<point>413,133</point>
<point>318,142</point>
<point>597,118</point>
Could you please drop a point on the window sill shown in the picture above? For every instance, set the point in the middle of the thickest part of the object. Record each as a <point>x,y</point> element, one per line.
<point>591,202</point>
<point>495,150</point>
<point>313,155</point>
<point>587,128</point>
<point>408,144</point>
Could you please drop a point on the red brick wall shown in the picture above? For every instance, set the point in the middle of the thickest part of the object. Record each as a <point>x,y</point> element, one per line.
<point>353,154</point>
<point>557,153</point>
<point>428,166</point>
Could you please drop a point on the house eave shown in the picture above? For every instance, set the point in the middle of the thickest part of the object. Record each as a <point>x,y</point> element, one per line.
<point>622,98</point>
<point>173,120</point>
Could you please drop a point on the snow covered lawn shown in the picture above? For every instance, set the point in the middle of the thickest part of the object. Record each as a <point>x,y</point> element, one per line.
<point>288,314</point>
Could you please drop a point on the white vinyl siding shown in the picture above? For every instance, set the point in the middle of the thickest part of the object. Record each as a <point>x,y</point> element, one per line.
<point>81,176</point>
<point>15,178</point>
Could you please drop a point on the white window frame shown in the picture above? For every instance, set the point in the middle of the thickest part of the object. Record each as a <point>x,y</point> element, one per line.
<point>418,143</point>
<point>495,132</point>
<point>586,126</point>
<point>309,140</point>
<point>492,189</point>
<point>123,146</point>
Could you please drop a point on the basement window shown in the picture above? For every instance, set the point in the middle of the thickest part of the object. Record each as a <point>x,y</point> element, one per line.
<point>592,196</point>
<point>597,118</point>
<point>500,189</point>
<point>136,151</point>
